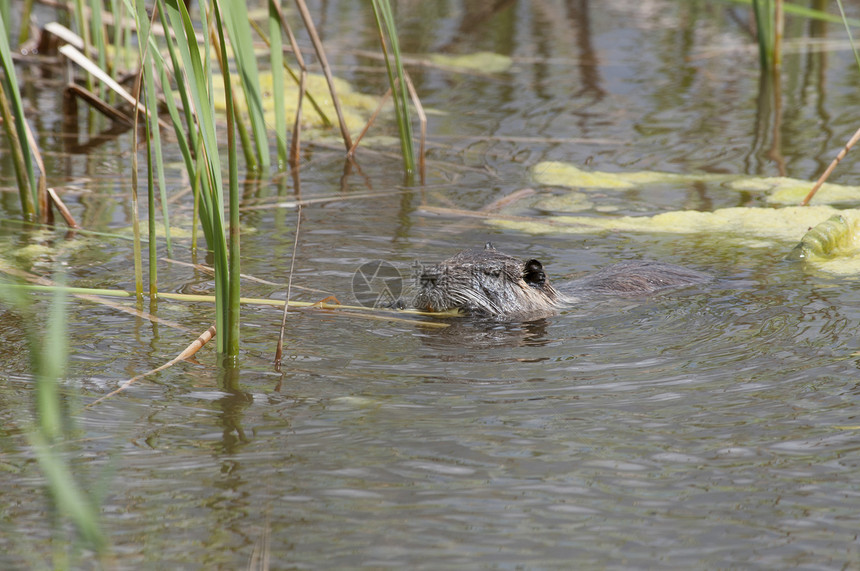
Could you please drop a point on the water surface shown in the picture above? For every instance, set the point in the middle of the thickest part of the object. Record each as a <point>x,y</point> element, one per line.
<point>714,427</point>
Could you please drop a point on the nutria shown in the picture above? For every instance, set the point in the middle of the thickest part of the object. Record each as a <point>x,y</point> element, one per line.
<point>491,284</point>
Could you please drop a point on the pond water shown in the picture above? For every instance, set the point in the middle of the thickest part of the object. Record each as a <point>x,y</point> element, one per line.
<point>715,427</point>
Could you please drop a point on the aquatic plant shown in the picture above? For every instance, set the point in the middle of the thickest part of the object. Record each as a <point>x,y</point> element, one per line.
<point>397,80</point>
<point>769,26</point>
<point>15,127</point>
<point>183,60</point>
<point>68,495</point>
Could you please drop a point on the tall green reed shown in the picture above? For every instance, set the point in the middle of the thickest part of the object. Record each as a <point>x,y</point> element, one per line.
<point>769,26</point>
<point>203,161</point>
<point>187,64</point>
<point>396,77</point>
<point>12,109</point>
<point>195,67</point>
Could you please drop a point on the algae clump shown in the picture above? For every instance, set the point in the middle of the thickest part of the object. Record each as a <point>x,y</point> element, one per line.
<point>485,62</point>
<point>777,190</point>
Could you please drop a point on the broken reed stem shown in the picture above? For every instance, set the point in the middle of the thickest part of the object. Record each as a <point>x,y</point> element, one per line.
<point>42,183</point>
<point>189,351</point>
<point>370,122</point>
<point>92,68</point>
<point>99,105</point>
<point>839,157</point>
<point>61,206</point>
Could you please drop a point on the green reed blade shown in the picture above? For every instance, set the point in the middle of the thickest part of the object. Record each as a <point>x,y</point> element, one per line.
<point>155,139</point>
<point>199,82</point>
<point>179,78</point>
<point>764,15</point>
<point>848,30</point>
<point>26,11</point>
<point>386,26</point>
<point>150,193</point>
<point>326,122</point>
<point>231,332</point>
<point>16,131</point>
<point>806,12</point>
<point>155,162</point>
<point>236,20</point>
<point>98,37</point>
<point>47,361</point>
<point>198,85</point>
<point>276,46</point>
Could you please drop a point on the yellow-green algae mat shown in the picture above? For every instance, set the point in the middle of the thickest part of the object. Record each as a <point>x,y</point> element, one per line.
<point>484,62</point>
<point>777,189</point>
<point>357,107</point>
<point>825,236</point>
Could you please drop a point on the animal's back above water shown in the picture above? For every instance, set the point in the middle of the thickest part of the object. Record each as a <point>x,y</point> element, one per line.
<point>636,277</point>
<point>489,283</point>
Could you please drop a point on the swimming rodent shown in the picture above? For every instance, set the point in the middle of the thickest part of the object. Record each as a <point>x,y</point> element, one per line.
<point>489,283</point>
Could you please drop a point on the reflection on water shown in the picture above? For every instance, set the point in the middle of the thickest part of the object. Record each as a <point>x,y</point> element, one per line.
<point>708,428</point>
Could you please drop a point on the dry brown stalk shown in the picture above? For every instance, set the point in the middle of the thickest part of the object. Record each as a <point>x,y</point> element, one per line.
<point>318,47</point>
<point>823,177</point>
<point>61,206</point>
<point>370,121</point>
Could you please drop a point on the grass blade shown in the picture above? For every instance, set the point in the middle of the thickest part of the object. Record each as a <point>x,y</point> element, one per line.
<point>385,21</point>
<point>277,61</point>
<point>13,116</point>
<point>235,15</point>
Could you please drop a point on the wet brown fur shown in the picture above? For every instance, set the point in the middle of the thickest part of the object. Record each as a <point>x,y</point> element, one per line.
<point>492,284</point>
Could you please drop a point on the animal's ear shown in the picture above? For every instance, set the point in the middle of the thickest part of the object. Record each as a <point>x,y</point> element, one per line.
<point>533,273</point>
<point>489,246</point>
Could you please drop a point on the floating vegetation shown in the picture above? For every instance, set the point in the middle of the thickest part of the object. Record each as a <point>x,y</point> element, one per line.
<point>755,226</point>
<point>836,236</point>
<point>485,62</point>
<point>784,190</point>
<point>826,237</point>
<point>778,190</point>
<point>356,106</point>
